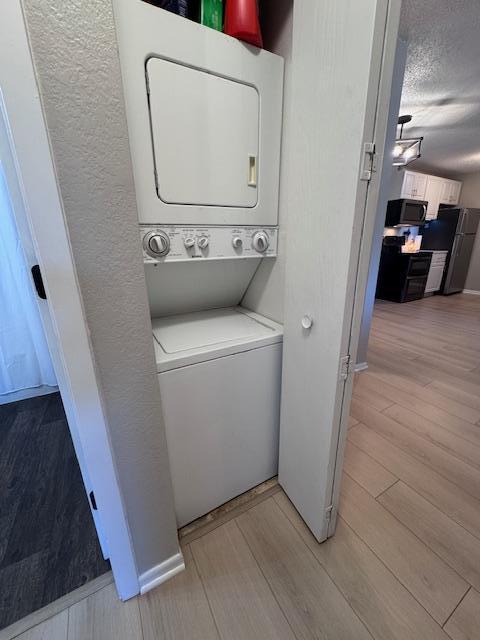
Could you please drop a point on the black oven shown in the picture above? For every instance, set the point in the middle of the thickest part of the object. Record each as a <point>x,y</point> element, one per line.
<point>414,289</point>
<point>406,212</point>
<point>418,264</point>
<point>402,277</point>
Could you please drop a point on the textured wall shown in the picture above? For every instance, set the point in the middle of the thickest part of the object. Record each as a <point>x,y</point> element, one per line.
<point>441,82</point>
<point>470,197</point>
<point>75,55</point>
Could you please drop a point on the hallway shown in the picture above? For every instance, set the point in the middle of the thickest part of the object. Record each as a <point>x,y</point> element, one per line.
<point>405,561</point>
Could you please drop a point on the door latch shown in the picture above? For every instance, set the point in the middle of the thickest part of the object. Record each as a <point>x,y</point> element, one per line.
<point>369,161</point>
<point>38,282</point>
<point>345,367</point>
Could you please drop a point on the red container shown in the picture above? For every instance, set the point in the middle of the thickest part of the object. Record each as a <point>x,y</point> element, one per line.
<point>241,21</point>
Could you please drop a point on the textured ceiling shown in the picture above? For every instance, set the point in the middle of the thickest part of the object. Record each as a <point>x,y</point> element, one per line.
<point>442,82</point>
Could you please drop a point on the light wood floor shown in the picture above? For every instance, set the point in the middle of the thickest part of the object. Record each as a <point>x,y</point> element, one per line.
<point>405,561</point>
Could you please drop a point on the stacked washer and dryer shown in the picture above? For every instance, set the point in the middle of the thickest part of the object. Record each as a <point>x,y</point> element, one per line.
<point>205,116</point>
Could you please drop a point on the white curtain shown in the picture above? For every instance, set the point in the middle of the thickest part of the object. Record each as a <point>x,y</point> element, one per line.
<point>24,357</point>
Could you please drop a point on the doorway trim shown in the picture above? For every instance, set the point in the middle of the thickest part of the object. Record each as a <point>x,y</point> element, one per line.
<point>75,366</point>
<point>383,115</point>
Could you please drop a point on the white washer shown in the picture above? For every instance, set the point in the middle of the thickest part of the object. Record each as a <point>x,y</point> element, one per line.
<point>220,378</point>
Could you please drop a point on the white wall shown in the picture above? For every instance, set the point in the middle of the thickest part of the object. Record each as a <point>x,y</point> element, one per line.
<point>265,293</point>
<point>470,197</point>
<point>390,182</point>
<point>75,54</point>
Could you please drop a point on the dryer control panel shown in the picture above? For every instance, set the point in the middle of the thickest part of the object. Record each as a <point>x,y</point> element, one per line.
<point>174,243</point>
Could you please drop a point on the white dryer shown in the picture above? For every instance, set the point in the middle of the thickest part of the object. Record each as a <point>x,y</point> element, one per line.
<point>219,373</point>
<point>204,115</point>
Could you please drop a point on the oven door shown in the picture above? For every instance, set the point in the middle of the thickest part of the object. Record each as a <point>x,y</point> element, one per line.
<point>413,212</point>
<point>419,266</point>
<point>414,288</point>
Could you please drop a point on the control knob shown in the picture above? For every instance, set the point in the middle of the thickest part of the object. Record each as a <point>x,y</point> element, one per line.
<point>260,241</point>
<point>237,242</point>
<point>156,244</point>
<point>189,242</point>
<point>203,242</point>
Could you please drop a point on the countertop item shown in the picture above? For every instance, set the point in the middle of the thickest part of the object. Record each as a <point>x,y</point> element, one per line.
<point>241,21</point>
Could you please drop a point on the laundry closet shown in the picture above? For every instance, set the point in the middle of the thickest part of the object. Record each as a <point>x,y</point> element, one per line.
<point>205,115</point>
<point>240,154</point>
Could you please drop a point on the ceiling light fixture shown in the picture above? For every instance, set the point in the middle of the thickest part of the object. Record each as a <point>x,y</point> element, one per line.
<point>406,150</point>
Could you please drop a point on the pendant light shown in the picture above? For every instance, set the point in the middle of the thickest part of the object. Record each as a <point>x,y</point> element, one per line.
<point>406,150</point>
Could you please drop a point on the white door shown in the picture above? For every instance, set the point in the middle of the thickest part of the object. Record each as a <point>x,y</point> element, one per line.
<point>8,160</point>
<point>433,194</point>
<point>446,194</point>
<point>434,279</point>
<point>419,186</point>
<point>455,189</point>
<point>408,186</point>
<point>327,261</point>
<point>65,325</point>
<point>205,135</point>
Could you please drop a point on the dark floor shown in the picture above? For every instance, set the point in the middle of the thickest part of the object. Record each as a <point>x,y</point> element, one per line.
<point>48,543</point>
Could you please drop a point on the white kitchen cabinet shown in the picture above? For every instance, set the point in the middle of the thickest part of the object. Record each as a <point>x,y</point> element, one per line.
<point>414,185</point>
<point>433,194</point>
<point>435,274</point>
<point>450,192</point>
<point>433,189</point>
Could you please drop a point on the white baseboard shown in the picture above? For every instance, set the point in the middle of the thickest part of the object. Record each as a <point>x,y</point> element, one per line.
<point>24,394</point>
<point>162,572</point>
<point>472,292</point>
<point>360,366</point>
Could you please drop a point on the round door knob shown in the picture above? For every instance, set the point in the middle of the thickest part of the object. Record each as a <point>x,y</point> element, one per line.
<point>203,242</point>
<point>260,241</point>
<point>156,244</point>
<point>189,242</point>
<point>307,322</point>
<point>237,242</point>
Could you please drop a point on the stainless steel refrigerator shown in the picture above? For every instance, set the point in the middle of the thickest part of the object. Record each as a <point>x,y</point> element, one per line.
<point>454,231</point>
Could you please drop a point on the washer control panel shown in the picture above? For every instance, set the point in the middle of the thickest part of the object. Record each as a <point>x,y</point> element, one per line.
<point>184,243</point>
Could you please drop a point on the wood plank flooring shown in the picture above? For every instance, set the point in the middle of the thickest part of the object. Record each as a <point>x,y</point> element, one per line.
<point>404,563</point>
<point>48,543</point>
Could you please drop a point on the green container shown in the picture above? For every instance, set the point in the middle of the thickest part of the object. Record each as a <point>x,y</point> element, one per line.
<point>211,14</point>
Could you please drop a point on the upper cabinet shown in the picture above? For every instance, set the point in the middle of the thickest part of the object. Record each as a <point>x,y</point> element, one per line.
<point>432,189</point>
<point>451,192</point>
<point>433,195</point>
<point>414,185</point>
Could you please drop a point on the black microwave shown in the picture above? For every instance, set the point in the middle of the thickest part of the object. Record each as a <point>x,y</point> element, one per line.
<point>406,212</point>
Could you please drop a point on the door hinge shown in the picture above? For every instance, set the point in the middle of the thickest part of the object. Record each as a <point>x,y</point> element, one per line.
<point>345,367</point>
<point>369,161</point>
<point>328,512</point>
<point>38,282</point>
<point>93,502</point>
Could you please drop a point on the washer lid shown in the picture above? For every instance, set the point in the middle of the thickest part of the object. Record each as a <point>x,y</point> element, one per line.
<point>207,328</point>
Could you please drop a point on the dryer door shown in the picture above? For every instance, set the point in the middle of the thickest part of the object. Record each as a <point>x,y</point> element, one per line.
<point>205,132</point>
